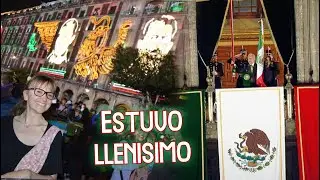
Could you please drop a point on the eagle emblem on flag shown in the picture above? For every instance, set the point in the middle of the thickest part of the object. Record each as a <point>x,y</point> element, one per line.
<point>252,152</point>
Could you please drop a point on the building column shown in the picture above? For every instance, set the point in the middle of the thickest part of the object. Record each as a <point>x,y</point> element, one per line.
<point>191,66</point>
<point>307,40</point>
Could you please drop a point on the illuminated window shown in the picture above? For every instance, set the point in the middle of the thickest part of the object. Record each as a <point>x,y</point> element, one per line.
<point>31,65</point>
<point>32,20</point>
<point>82,13</point>
<point>28,29</point>
<point>96,12</point>
<point>19,22</point>
<point>112,10</point>
<point>54,16</point>
<point>45,17</point>
<point>7,40</point>
<point>132,10</point>
<point>25,20</point>
<point>19,52</point>
<point>90,27</point>
<point>104,10</point>
<point>64,14</point>
<point>13,51</point>
<point>176,7</point>
<point>49,17</point>
<point>69,15</point>
<point>24,41</point>
<point>44,54</point>
<point>153,7</point>
<point>59,16</point>
<point>39,66</point>
<point>18,39</point>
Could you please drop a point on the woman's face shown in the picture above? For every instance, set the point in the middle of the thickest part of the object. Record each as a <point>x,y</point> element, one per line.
<point>35,101</point>
<point>63,101</point>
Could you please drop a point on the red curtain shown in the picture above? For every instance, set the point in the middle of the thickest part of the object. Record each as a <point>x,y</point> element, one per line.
<point>307,128</point>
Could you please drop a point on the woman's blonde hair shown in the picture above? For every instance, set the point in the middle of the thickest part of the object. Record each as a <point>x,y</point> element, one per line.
<point>20,107</point>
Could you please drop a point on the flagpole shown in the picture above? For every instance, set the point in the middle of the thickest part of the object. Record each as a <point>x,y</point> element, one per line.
<point>232,35</point>
<point>260,55</point>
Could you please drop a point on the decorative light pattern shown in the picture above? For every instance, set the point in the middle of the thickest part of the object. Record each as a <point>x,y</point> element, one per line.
<point>158,34</point>
<point>47,31</point>
<point>94,59</point>
<point>177,7</point>
<point>32,44</point>
<point>150,62</point>
<point>52,72</point>
<point>67,34</point>
<point>122,88</point>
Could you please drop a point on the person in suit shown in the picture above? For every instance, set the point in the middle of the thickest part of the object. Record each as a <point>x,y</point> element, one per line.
<point>270,70</point>
<point>241,67</point>
<point>252,70</point>
<point>216,68</point>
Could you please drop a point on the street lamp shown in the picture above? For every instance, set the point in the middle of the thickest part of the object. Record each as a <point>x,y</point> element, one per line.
<point>289,88</point>
<point>210,90</point>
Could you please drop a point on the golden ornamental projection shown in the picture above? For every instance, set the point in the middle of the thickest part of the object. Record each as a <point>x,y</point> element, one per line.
<point>94,59</point>
<point>47,31</point>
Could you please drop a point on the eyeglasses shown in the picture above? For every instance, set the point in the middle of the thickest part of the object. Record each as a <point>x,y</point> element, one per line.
<point>39,92</point>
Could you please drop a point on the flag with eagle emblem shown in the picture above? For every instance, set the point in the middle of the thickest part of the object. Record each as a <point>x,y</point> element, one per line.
<point>251,133</point>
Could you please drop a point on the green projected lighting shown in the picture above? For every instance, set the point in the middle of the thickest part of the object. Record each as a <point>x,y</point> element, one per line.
<point>32,44</point>
<point>177,7</point>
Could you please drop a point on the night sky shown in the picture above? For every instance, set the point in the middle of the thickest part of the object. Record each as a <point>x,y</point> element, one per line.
<point>8,5</point>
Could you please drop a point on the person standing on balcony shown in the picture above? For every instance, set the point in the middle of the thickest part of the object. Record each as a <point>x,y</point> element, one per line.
<point>241,66</point>
<point>216,68</point>
<point>270,70</point>
<point>252,70</point>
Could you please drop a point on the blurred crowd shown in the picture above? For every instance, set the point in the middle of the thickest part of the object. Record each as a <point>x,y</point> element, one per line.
<point>76,148</point>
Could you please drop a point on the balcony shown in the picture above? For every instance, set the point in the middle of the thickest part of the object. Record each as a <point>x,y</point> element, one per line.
<point>129,13</point>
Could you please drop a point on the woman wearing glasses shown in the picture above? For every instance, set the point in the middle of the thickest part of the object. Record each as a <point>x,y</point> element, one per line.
<point>30,147</point>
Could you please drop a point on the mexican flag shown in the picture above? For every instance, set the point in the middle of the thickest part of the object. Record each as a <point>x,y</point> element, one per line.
<point>251,142</point>
<point>260,56</point>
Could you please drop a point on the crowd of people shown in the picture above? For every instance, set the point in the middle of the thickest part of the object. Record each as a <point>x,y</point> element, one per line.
<point>65,110</point>
<point>76,151</point>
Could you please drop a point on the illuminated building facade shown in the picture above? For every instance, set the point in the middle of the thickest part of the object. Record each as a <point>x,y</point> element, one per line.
<point>33,37</point>
<point>15,33</point>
